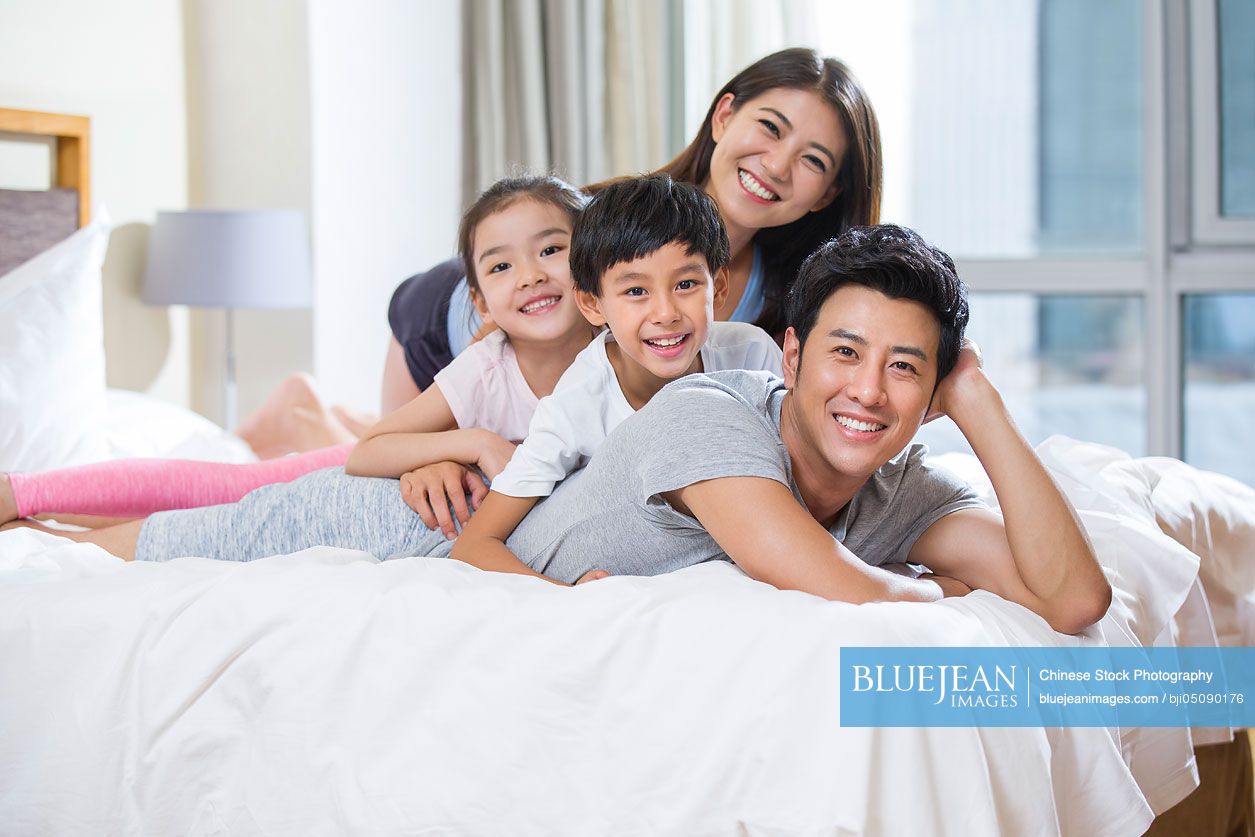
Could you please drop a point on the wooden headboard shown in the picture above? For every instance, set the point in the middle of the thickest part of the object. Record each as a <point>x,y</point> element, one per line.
<point>72,137</point>
<point>47,209</point>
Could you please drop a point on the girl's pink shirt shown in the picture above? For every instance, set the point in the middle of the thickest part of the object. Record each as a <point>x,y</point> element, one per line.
<point>485,388</point>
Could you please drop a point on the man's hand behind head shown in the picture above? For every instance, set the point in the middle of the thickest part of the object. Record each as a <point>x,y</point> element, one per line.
<point>964,382</point>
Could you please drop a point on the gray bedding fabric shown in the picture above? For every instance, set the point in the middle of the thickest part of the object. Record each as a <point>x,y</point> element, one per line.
<point>31,222</point>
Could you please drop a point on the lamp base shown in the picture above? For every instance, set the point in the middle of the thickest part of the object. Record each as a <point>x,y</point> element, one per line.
<point>228,379</point>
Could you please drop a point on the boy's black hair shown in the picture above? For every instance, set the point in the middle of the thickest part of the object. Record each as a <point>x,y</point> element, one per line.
<point>894,261</point>
<point>637,216</point>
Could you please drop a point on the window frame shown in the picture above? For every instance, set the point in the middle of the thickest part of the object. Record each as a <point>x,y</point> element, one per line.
<point>1209,225</point>
<point>1142,275</point>
<point>1175,260</point>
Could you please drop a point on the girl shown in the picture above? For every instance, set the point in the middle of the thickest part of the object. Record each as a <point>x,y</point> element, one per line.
<point>514,243</point>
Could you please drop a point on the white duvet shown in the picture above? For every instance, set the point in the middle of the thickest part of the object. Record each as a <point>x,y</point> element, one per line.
<point>328,693</point>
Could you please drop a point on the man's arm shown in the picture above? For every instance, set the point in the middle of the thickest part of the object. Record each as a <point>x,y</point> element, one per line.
<point>762,527</point>
<point>1036,553</point>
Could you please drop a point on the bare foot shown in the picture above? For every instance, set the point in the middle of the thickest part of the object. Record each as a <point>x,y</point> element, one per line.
<point>8,504</point>
<point>354,421</point>
<point>117,540</point>
<point>293,420</point>
<point>27,524</point>
<point>87,521</point>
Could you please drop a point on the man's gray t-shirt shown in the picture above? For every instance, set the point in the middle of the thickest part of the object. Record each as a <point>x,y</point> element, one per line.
<point>725,424</point>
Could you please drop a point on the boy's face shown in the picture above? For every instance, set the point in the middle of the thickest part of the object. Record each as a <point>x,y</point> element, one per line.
<point>861,387</point>
<point>659,308</point>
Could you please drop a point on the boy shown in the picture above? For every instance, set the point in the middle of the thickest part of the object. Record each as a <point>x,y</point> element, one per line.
<point>805,483</point>
<point>648,257</point>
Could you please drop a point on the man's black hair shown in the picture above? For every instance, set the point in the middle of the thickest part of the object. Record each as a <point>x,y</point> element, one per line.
<point>894,261</point>
<point>638,216</point>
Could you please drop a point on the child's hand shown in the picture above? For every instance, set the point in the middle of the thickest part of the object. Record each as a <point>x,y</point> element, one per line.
<point>592,575</point>
<point>494,453</point>
<point>431,490</point>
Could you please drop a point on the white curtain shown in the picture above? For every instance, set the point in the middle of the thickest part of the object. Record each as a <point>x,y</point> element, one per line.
<point>640,40</point>
<point>722,37</point>
<point>590,89</point>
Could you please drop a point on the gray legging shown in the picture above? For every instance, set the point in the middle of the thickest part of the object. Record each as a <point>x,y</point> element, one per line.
<point>326,507</point>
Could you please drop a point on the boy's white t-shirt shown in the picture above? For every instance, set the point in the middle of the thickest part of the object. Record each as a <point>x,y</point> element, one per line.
<point>588,403</point>
<point>485,388</point>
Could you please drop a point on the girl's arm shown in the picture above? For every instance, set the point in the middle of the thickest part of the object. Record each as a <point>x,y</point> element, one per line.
<point>421,433</point>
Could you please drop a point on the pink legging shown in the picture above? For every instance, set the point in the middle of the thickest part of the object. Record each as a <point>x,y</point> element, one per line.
<point>139,487</point>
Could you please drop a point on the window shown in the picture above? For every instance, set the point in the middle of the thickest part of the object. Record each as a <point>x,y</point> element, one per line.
<point>1091,167</point>
<point>1236,26</point>
<point>1064,364</point>
<point>1011,129</point>
<point>1219,377</point>
<point>1222,120</point>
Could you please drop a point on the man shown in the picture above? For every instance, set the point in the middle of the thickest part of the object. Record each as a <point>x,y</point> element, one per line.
<point>805,483</point>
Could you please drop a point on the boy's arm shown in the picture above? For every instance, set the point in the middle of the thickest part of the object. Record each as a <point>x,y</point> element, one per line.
<point>1036,553</point>
<point>482,542</point>
<point>569,424</point>
<point>773,538</point>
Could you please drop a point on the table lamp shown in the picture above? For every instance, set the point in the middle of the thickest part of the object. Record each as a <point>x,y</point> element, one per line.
<point>229,259</point>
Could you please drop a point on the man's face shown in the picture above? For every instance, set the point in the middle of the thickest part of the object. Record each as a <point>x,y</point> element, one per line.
<point>659,308</point>
<point>862,385</point>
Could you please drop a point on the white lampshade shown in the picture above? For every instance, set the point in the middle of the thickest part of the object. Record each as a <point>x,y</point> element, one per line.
<point>229,259</point>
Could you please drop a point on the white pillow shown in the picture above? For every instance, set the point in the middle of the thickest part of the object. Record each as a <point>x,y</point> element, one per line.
<point>52,359</point>
<point>139,425</point>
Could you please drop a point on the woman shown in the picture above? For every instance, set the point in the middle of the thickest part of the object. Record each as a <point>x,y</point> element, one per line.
<point>790,152</point>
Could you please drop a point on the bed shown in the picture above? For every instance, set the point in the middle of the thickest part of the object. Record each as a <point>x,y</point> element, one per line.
<point>326,692</point>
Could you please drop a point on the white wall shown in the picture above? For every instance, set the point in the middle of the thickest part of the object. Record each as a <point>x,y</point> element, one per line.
<point>120,63</point>
<point>249,148</point>
<point>386,92</point>
<point>348,110</point>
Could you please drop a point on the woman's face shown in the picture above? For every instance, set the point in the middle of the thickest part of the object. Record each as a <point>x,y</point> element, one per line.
<point>775,159</point>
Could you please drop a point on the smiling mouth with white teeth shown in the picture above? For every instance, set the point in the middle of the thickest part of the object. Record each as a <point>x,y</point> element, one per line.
<point>756,188</point>
<point>667,346</point>
<point>540,305</point>
<point>860,426</point>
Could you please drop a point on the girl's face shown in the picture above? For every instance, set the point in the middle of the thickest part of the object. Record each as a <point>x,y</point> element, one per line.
<point>775,159</point>
<point>524,277</point>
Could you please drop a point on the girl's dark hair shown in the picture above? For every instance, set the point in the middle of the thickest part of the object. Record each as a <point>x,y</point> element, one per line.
<point>540,188</point>
<point>858,177</point>
<point>898,263</point>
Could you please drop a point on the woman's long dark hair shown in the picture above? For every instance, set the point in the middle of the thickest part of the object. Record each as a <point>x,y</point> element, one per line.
<point>858,178</point>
